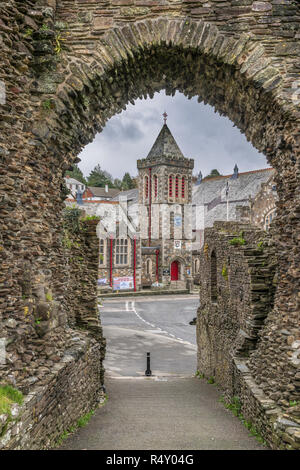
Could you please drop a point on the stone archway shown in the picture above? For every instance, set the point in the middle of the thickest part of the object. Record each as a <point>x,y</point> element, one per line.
<point>76,67</point>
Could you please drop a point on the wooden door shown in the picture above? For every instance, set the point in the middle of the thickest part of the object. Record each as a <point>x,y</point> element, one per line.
<point>174,271</point>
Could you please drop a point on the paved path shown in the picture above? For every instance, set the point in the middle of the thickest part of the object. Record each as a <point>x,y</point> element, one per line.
<point>171,410</point>
<point>177,414</point>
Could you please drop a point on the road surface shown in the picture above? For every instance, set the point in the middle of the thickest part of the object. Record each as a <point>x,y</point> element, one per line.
<point>156,325</point>
<point>172,410</point>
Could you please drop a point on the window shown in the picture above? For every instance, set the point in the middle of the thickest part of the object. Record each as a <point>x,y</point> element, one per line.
<point>182,187</point>
<point>146,186</point>
<point>102,252</point>
<point>170,185</point>
<point>176,186</point>
<point>268,219</point>
<point>213,277</point>
<point>155,186</point>
<point>196,266</point>
<point>149,266</point>
<point>121,252</point>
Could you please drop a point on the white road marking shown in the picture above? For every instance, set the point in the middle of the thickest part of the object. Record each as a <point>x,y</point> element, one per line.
<point>133,309</point>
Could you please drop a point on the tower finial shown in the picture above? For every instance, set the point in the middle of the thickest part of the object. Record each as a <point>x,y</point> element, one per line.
<point>165,117</point>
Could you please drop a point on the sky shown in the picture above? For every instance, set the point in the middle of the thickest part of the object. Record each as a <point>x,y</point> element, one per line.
<point>210,139</point>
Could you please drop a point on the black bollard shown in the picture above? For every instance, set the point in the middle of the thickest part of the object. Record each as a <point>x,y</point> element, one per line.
<point>148,370</point>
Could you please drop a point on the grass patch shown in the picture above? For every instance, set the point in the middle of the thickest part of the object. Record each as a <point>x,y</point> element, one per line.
<point>211,380</point>
<point>237,241</point>
<point>235,407</point>
<point>83,421</point>
<point>225,272</point>
<point>90,217</point>
<point>80,423</point>
<point>9,396</point>
<point>260,246</point>
<point>49,297</point>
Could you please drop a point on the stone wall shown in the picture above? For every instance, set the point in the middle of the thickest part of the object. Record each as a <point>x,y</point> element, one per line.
<point>238,278</point>
<point>71,388</point>
<point>263,204</point>
<point>57,361</point>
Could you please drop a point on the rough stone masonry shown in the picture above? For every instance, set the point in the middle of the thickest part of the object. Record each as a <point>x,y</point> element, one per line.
<point>65,68</point>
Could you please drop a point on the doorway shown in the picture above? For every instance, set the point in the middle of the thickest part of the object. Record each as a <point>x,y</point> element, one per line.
<point>175,271</point>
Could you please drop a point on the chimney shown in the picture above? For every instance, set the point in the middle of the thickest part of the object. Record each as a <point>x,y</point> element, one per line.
<point>106,188</point>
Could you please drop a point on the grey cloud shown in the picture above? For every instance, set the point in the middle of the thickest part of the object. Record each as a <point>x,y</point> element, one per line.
<point>200,133</point>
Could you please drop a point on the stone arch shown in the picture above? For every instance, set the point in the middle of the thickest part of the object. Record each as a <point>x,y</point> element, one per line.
<point>61,99</point>
<point>181,265</point>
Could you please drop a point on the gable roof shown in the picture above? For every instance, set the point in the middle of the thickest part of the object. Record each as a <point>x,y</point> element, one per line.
<point>165,145</point>
<point>100,192</point>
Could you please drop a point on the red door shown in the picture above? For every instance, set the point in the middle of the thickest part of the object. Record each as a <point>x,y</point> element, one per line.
<point>174,271</point>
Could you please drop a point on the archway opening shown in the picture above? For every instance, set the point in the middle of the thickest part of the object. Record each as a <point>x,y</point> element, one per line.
<point>91,94</point>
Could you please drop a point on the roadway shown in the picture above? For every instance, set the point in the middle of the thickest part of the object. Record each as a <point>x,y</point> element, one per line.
<point>159,325</point>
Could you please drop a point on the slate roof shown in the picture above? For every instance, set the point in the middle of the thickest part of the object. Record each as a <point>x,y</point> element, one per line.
<point>165,145</point>
<point>211,193</point>
<point>100,192</point>
<point>132,195</point>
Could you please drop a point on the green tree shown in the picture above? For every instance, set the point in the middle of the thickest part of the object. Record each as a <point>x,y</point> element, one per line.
<point>77,174</point>
<point>213,173</point>
<point>100,178</point>
<point>117,183</point>
<point>128,182</point>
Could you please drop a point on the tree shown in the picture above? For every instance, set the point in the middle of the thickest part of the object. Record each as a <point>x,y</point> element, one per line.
<point>213,173</point>
<point>77,174</point>
<point>128,182</point>
<point>100,178</point>
<point>117,183</point>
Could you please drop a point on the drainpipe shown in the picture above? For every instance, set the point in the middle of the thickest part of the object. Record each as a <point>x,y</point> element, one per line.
<point>150,201</point>
<point>157,253</point>
<point>111,261</point>
<point>134,264</point>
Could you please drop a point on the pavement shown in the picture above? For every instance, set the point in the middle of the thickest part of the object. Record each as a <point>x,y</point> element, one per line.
<point>172,409</point>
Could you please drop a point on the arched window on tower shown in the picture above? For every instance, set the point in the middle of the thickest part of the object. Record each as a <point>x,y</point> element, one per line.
<point>146,187</point>
<point>176,186</point>
<point>213,276</point>
<point>182,187</point>
<point>155,187</point>
<point>170,186</point>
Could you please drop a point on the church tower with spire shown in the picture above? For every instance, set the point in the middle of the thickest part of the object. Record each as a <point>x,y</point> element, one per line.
<point>165,194</point>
